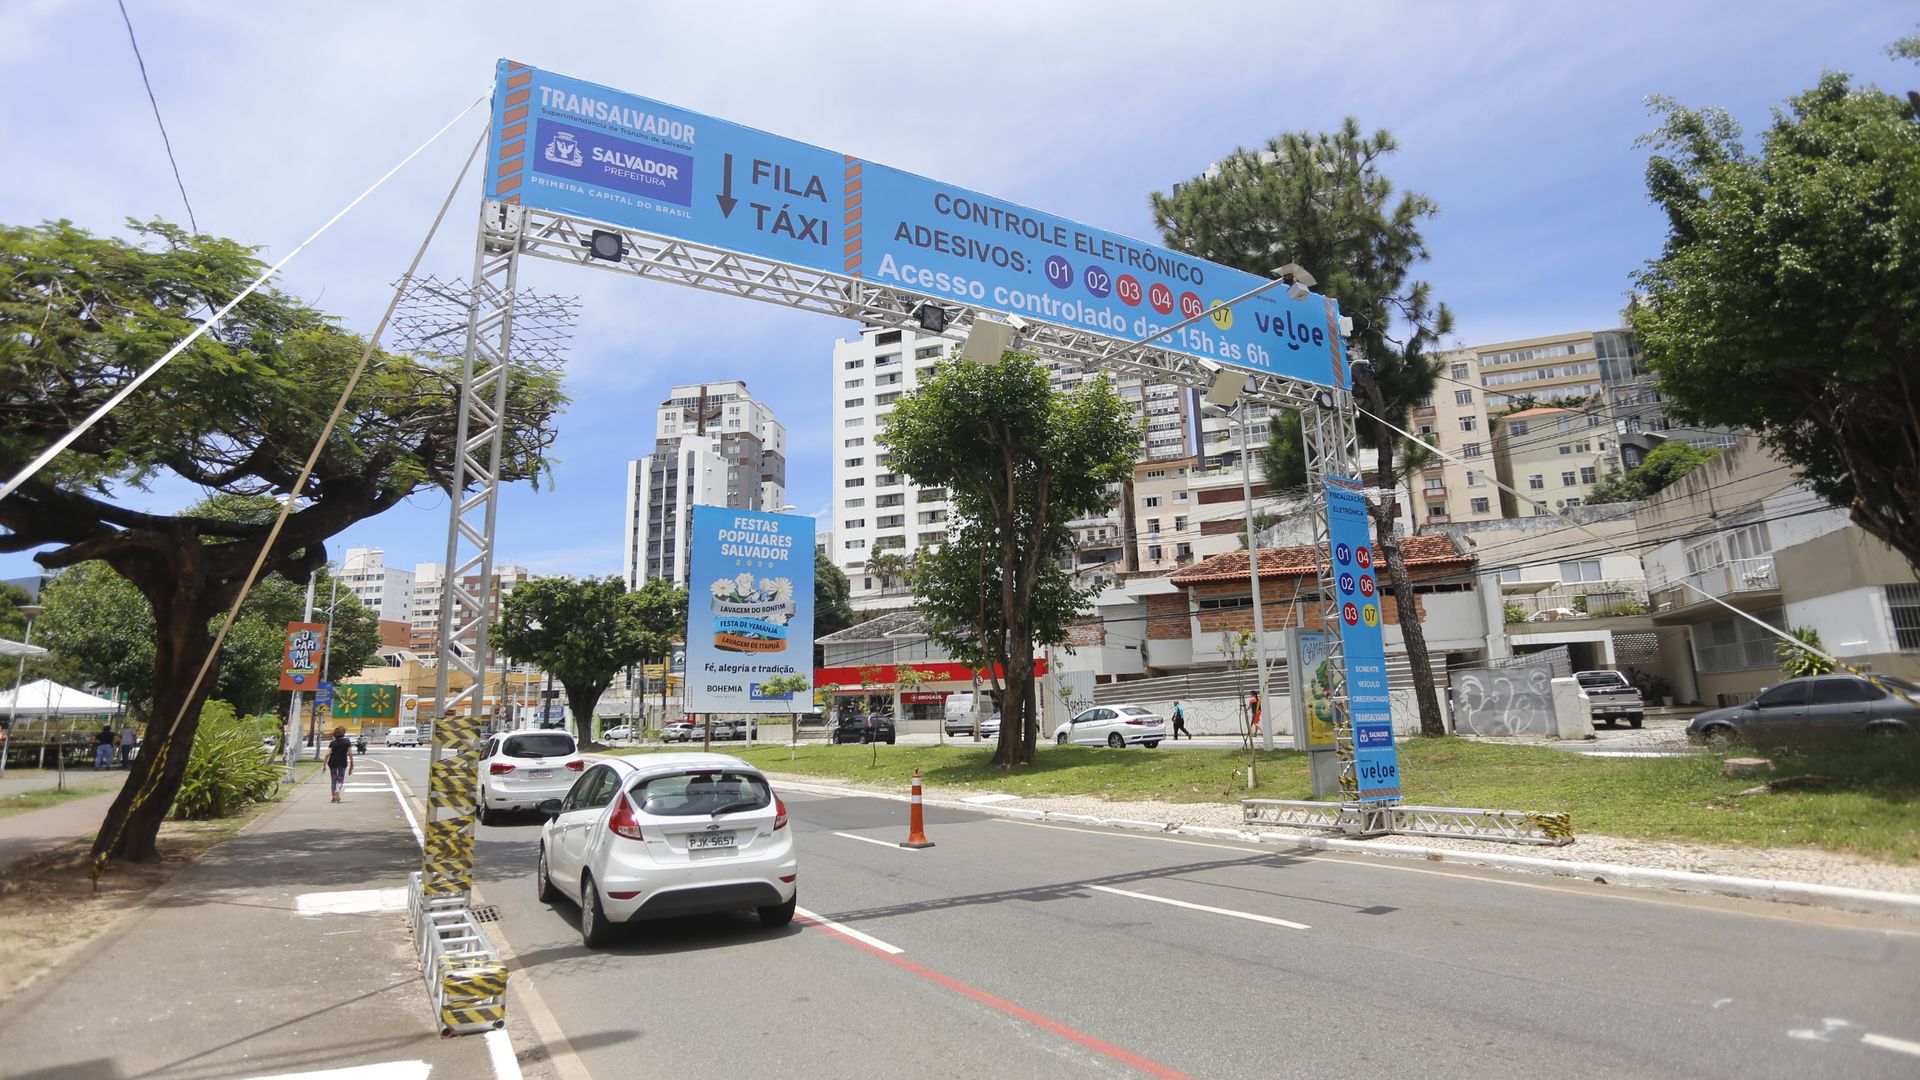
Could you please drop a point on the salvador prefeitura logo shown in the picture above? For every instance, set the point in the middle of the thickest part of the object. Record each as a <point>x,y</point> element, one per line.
<point>750,616</point>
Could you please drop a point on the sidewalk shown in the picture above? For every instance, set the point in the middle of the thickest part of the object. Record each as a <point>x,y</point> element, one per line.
<point>282,950</point>
<point>32,831</point>
<point>21,781</point>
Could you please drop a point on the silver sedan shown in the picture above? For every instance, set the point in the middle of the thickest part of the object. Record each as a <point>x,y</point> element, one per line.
<point>1116,726</point>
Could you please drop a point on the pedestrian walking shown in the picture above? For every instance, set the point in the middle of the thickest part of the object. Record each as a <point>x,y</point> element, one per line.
<point>1180,722</point>
<point>339,760</point>
<point>1253,711</point>
<point>103,744</point>
<point>127,743</point>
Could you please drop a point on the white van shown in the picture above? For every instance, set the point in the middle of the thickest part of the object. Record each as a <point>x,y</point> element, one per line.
<point>958,717</point>
<point>404,736</point>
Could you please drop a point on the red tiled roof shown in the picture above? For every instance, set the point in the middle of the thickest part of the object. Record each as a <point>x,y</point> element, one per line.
<point>1431,553</point>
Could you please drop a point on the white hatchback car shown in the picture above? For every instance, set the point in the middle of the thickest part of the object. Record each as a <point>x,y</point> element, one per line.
<point>664,835</point>
<point>519,770</point>
<point>1113,725</point>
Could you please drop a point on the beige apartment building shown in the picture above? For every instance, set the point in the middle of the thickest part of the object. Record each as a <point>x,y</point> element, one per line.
<point>1455,419</point>
<point>1553,455</point>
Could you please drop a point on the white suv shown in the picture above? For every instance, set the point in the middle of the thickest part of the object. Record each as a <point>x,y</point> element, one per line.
<point>664,835</point>
<point>519,770</point>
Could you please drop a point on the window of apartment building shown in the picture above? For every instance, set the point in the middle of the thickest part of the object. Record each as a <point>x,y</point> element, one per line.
<point>1480,506</point>
<point>1150,501</point>
<point>855,545</point>
<point>856,421</point>
<point>1459,371</point>
<point>855,462</point>
<point>1595,420</point>
<point>890,500</point>
<point>851,503</point>
<point>1566,448</point>
<point>1471,449</point>
<point>1424,403</point>
<point>887,337</point>
<point>891,378</point>
<point>1179,496</point>
<point>1734,644</point>
<point>1463,397</point>
<point>1153,552</point>
<point>854,364</point>
<point>1153,525</point>
<point>1572,502</point>
<point>927,352</point>
<point>891,479</point>
<point>1183,550</point>
<point>1903,605</point>
<point>1565,423</point>
<point>1516,427</point>
<point>1568,478</point>
<point>857,440</point>
<point>890,521</point>
<point>1474,479</point>
<point>1469,423</point>
<point>1537,482</point>
<point>1426,431</point>
<point>932,494</point>
<point>886,543</point>
<point>886,361</point>
<point>1180,524</point>
<point>1224,603</point>
<point>1589,474</point>
<point>1155,474</point>
<point>929,539</point>
<point>1539,511</point>
<point>856,481</point>
<point>855,523</point>
<point>854,402</point>
<point>1578,570</point>
<point>887,399</point>
<point>1435,483</point>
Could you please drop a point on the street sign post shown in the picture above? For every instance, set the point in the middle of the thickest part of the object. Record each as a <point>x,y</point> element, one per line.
<point>1376,764</point>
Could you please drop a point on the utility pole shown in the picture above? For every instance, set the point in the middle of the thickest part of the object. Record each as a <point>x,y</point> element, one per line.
<point>326,647</point>
<point>293,707</point>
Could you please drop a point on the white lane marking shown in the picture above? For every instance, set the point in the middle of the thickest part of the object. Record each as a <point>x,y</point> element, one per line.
<point>990,798</point>
<point>1247,915</point>
<point>1888,1042</point>
<point>1828,1025</point>
<point>386,1070</point>
<point>393,785</point>
<point>363,787</point>
<point>1390,863</point>
<point>350,902</point>
<point>849,931</point>
<point>500,1049</point>
<point>871,840</point>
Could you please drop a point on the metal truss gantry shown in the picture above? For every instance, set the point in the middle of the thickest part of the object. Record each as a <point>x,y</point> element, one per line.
<point>1330,439</point>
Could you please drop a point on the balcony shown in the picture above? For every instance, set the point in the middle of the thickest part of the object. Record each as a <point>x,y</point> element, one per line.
<point>1434,492</point>
<point>1753,579</point>
<point>1555,601</point>
<point>1422,411</point>
<point>1436,465</point>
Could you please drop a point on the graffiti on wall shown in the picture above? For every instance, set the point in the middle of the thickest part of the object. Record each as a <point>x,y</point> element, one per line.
<point>1503,701</point>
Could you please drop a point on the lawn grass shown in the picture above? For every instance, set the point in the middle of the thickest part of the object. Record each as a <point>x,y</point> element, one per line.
<point>40,800</point>
<point>1865,798</point>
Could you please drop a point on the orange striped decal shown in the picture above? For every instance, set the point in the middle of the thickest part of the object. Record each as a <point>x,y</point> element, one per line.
<point>515,114</point>
<point>513,131</point>
<point>515,65</point>
<point>850,216</point>
<point>506,168</point>
<point>512,150</point>
<point>517,81</point>
<point>509,184</point>
<point>519,97</point>
<point>852,232</point>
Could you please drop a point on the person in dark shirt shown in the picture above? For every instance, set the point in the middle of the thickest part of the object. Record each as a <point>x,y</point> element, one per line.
<point>339,760</point>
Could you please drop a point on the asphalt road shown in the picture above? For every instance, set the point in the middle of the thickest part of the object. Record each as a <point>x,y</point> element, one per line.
<point>1026,950</point>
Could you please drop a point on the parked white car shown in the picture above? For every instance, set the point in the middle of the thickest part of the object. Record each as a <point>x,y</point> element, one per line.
<point>1113,725</point>
<point>663,835</point>
<point>404,736</point>
<point>519,770</point>
<point>623,733</point>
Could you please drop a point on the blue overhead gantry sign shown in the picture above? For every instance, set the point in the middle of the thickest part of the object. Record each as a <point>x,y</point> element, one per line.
<point>578,148</point>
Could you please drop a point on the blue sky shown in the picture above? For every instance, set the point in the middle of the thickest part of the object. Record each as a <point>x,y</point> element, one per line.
<point>1519,119</point>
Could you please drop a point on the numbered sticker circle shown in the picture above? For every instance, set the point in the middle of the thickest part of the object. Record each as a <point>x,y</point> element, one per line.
<point>1366,584</point>
<point>1370,615</point>
<point>1363,557</point>
<point>1161,298</point>
<point>1342,554</point>
<point>1346,583</point>
<point>1098,281</point>
<point>1222,315</point>
<point>1190,304</point>
<point>1127,287</point>
<point>1351,613</point>
<point>1059,272</point>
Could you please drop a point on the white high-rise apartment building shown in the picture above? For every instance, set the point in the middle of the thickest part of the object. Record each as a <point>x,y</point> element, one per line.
<point>714,445</point>
<point>387,590</point>
<point>425,617</point>
<point>877,511</point>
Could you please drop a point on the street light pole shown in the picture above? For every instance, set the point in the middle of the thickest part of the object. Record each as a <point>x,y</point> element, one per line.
<point>1238,416</point>
<point>326,654</point>
<point>19,679</point>
<point>293,708</point>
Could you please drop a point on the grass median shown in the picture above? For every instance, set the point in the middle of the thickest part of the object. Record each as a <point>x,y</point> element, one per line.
<point>1860,797</point>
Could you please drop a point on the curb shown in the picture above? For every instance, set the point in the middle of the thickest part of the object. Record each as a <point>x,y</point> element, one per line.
<point>1835,897</point>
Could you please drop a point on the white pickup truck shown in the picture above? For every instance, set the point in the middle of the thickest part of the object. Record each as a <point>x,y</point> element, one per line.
<point>1613,697</point>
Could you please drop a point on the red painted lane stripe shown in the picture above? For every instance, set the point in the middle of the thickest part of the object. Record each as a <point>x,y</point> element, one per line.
<point>1028,1016</point>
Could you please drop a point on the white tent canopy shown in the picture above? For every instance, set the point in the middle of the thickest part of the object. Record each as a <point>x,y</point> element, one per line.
<point>44,697</point>
<point>14,649</point>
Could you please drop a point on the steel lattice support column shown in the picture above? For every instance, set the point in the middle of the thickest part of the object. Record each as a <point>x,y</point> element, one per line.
<point>1330,438</point>
<point>466,608</point>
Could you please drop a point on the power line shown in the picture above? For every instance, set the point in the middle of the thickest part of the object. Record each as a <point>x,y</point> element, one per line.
<point>164,141</point>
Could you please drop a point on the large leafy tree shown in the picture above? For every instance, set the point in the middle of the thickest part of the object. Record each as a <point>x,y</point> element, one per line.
<point>236,413</point>
<point>832,601</point>
<point>101,629</point>
<point>584,631</point>
<point>1020,460</point>
<point>1794,274</point>
<point>1656,472</point>
<point>1322,200</point>
<point>663,623</point>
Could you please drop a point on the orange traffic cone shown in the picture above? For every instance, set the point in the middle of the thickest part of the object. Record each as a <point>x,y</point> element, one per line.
<point>916,823</point>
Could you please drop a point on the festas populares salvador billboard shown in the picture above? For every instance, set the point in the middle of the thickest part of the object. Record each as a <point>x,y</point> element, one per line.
<point>578,148</point>
<point>749,608</point>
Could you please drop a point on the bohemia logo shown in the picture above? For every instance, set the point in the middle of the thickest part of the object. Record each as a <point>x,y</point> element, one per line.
<point>563,150</point>
<point>750,618</point>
